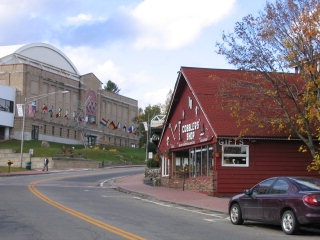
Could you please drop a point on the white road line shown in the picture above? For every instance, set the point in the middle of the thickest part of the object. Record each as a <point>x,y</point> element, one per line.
<point>149,201</point>
<point>218,217</point>
<point>203,213</point>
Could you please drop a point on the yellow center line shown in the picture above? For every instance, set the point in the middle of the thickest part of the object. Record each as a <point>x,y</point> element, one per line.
<point>127,235</point>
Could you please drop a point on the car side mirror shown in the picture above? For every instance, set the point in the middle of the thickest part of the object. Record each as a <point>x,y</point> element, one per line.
<point>248,192</point>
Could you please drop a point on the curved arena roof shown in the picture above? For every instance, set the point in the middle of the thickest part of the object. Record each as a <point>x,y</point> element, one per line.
<point>44,55</point>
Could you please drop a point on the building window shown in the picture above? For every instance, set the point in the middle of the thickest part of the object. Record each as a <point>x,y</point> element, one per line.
<point>44,129</point>
<point>235,155</point>
<point>35,132</point>
<point>68,133</point>
<point>60,133</point>
<point>75,134</point>
<point>200,161</point>
<point>6,105</point>
<point>165,166</point>
<point>52,133</point>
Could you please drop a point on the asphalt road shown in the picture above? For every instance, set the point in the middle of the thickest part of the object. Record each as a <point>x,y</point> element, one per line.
<point>76,205</point>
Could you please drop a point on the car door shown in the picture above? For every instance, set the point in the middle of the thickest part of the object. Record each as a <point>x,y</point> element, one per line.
<point>272,202</point>
<point>251,204</point>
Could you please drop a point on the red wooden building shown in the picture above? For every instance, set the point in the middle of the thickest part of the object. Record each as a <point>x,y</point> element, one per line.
<point>200,147</point>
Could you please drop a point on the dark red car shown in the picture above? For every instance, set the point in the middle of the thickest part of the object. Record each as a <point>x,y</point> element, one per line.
<point>289,201</point>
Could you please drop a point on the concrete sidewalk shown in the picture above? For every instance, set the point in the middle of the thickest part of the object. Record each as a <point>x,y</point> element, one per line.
<point>22,173</point>
<point>135,184</point>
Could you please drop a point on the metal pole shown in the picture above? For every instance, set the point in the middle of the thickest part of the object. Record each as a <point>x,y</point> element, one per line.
<point>147,144</point>
<point>22,131</point>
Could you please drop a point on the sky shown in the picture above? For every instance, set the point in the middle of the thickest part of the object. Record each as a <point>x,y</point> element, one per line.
<point>138,44</point>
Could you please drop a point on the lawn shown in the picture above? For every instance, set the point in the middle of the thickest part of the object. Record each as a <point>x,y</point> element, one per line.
<point>97,153</point>
<point>12,169</point>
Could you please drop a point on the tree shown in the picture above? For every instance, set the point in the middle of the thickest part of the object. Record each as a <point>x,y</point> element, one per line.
<point>167,102</point>
<point>284,36</point>
<point>112,87</point>
<point>145,116</point>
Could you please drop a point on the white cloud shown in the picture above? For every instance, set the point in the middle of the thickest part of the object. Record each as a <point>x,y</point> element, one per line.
<point>82,18</point>
<point>155,96</point>
<point>109,71</point>
<point>171,24</point>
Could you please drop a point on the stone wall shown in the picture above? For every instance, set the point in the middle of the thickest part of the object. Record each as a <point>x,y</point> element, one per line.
<point>196,184</point>
<point>37,163</point>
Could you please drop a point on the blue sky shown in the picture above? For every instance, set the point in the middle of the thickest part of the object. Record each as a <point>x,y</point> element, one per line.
<point>138,44</point>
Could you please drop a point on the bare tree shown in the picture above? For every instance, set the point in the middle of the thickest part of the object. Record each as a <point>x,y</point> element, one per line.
<point>284,36</point>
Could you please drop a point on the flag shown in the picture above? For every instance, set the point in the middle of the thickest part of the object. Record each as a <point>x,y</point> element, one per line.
<point>44,108</point>
<point>51,111</point>
<point>131,129</point>
<point>112,125</point>
<point>118,125</point>
<point>124,128</point>
<point>58,114</point>
<point>32,109</point>
<point>91,119</point>
<point>103,122</point>
<point>145,124</point>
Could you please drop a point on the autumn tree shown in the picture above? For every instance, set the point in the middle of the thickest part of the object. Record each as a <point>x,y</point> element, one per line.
<point>283,37</point>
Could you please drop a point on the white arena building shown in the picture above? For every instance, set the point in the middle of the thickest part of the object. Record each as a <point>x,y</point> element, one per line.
<point>58,103</point>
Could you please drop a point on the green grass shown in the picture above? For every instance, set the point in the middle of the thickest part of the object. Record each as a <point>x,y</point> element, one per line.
<point>98,153</point>
<point>12,169</point>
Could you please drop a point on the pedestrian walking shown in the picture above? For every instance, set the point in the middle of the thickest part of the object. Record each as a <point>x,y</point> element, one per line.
<point>45,164</point>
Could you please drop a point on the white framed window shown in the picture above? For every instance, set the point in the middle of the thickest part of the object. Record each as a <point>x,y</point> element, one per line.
<point>201,161</point>
<point>235,155</point>
<point>165,166</point>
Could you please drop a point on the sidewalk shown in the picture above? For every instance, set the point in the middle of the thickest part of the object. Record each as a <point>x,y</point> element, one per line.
<point>22,173</point>
<point>188,198</point>
<point>134,184</point>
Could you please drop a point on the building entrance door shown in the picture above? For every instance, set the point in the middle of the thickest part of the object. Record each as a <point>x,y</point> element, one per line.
<point>35,132</point>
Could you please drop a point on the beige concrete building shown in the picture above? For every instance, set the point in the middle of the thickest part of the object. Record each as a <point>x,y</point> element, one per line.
<point>60,104</point>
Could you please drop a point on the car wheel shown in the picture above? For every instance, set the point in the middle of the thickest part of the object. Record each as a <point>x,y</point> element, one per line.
<point>235,214</point>
<point>289,222</point>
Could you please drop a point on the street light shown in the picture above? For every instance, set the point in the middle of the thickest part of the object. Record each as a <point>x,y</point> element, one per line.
<point>29,100</point>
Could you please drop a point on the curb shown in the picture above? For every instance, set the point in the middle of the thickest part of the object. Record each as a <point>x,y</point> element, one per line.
<point>144,195</point>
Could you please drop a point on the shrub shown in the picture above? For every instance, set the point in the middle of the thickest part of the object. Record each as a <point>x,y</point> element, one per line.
<point>153,163</point>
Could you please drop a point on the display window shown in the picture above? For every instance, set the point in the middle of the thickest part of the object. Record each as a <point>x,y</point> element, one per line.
<point>235,155</point>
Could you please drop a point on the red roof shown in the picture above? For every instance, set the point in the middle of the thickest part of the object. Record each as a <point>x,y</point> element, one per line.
<point>205,85</point>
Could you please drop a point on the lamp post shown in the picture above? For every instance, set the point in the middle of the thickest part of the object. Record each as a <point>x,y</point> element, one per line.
<point>147,142</point>
<point>29,100</point>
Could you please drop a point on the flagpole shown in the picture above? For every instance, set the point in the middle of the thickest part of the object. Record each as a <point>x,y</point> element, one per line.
<point>147,144</point>
<point>22,131</point>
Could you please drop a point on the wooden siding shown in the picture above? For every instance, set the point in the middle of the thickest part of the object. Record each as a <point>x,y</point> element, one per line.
<point>266,159</point>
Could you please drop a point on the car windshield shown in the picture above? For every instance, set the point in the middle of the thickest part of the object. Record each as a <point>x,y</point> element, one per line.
<point>307,184</point>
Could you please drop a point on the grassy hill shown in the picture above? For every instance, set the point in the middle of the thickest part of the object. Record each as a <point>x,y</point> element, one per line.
<point>97,153</point>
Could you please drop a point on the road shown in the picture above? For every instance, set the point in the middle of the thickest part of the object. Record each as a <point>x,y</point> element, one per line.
<point>85,205</point>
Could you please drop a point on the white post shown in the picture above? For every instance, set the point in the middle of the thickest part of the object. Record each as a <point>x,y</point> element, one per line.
<point>22,131</point>
<point>147,142</point>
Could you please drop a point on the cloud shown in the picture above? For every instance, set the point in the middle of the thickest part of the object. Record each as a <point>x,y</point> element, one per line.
<point>172,24</point>
<point>104,70</point>
<point>83,18</point>
<point>109,71</point>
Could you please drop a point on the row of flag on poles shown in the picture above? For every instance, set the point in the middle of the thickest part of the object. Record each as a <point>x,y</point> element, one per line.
<point>112,125</point>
